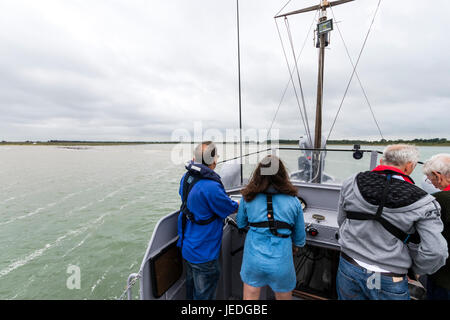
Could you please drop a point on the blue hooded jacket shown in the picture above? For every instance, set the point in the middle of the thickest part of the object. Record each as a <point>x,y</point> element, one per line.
<point>207,198</point>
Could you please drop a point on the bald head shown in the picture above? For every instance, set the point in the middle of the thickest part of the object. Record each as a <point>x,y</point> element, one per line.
<point>206,153</point>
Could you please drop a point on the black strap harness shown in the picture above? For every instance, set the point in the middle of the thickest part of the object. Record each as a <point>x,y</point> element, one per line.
<point>401,235</point>
<point>190,180</point>
<point>272,224</point>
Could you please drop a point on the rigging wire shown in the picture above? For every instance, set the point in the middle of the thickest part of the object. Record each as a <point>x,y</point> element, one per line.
<point>292,81</point>
<point>356,74</point>
<point>283,8</point>
<point>354,70</point>
<point>289,80</point>
<point>288,28</point>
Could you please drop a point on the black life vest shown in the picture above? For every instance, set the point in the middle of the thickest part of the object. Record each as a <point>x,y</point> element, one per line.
<point>395,193</point>
<point>190,179</point>
<point>271,223</point>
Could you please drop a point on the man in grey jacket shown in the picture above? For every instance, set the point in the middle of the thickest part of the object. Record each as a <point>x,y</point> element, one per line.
<point>387,226</point>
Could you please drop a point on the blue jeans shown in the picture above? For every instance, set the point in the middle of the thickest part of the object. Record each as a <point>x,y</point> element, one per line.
<point>201,280</point>
<point>435,292</point>
<point>356,283</point>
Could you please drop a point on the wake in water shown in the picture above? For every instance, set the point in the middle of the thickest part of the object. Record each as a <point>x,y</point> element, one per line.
<point>37,253</point>
<point>100,279</point>
<point>41,264</point>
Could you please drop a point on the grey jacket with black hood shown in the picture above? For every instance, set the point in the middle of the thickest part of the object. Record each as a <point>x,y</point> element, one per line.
<point>368,241</point>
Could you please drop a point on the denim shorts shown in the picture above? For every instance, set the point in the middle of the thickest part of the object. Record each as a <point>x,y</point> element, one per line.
<point>201,280</point>
<point>356,283</point>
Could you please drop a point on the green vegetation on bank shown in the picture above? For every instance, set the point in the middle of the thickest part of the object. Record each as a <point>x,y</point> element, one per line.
<point>382,142</point>
<point>81,143</point>
<point>418,142</point>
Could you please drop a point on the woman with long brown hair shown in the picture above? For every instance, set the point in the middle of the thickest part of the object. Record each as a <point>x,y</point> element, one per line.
<point>274,213</point>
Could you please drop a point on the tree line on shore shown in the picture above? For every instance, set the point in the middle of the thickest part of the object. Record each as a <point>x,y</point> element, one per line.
<point>417,141</point>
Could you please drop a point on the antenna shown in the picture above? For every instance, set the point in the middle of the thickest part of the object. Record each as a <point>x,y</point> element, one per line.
<point>240,99</point>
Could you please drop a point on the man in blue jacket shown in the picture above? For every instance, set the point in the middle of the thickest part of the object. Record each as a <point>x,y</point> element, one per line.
<point>204,207</point>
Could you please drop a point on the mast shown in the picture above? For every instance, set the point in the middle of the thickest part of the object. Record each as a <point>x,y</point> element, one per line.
<point>323,28</point>
<point>316,163</point>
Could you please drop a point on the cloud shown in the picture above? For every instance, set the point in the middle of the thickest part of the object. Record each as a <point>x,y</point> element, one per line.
<point>138,70</point>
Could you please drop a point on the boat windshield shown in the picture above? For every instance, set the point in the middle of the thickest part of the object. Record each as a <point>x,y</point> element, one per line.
<point>338,162</point>
<point>336,165</point>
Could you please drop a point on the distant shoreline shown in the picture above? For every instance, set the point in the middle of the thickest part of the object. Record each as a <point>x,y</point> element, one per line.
<point>418,142</point>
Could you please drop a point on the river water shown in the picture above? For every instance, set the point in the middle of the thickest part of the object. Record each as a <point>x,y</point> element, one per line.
<point>89,212</point>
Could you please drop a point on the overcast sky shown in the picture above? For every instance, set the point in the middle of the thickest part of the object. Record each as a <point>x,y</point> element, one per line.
<point>140,69</point>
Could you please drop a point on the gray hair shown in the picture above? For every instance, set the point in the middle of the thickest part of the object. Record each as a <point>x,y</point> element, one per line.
<point>438,163</point>
<point>206,156</point>
<point>400,154</point>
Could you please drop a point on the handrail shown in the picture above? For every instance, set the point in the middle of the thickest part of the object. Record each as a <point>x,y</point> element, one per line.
<point>132,278</point>
<point>301,149</point>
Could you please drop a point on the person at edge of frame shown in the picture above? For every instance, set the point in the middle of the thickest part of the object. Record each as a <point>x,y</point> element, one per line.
<point>437,171</point>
